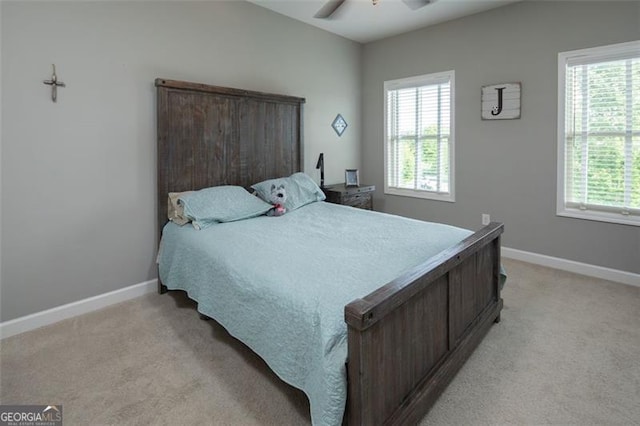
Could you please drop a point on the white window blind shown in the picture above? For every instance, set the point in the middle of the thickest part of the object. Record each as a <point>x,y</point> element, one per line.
<point>419,136</point>
<point>599,133</point>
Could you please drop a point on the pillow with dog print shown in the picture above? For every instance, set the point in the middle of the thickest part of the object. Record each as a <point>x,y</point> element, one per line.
<point>175,209</point>
<point>300,190</point>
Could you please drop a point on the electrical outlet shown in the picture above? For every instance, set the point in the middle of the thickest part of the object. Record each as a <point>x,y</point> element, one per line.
<point>486,219</point>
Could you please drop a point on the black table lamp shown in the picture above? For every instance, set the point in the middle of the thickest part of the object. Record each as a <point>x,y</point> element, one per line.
<point>320,165</point>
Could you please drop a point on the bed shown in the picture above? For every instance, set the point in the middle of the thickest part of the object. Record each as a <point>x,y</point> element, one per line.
<point>406,329</point>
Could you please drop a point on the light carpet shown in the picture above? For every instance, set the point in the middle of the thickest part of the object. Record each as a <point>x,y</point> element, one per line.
<point>566,352</point>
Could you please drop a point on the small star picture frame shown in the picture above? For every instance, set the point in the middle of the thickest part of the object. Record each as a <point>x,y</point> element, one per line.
<point>339,124</point>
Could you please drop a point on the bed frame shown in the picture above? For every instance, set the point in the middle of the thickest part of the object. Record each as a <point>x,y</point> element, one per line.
<point>406,340</point>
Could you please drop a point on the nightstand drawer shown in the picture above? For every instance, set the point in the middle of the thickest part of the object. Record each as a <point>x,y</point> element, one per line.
<point>358,196</point>
<point>362,201</point>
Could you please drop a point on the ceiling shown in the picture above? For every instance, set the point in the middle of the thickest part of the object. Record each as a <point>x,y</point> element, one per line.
<point>361,21</point>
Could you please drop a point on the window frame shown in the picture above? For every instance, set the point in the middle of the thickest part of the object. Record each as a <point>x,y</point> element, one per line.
<point>600,54</point>
<point>417,81</point>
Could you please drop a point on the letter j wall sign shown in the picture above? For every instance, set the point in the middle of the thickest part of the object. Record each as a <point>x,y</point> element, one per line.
<point>501,101</point>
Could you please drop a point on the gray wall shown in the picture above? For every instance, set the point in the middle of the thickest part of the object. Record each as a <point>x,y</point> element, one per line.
<point>78,177</point>
<point>504,168</point>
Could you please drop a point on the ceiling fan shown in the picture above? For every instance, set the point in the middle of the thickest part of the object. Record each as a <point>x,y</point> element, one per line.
<point>332,5</point>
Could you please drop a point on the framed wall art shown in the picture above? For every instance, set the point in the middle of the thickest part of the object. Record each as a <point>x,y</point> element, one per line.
<point>339,125</point>
<point>501,101</point>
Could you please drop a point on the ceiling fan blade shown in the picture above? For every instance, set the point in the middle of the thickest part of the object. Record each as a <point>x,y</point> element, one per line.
<point>417,4</point>
<point>328,9</point>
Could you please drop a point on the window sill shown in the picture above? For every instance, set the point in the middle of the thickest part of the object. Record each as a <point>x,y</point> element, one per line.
<point>420,194</point>
<point>600,216</point>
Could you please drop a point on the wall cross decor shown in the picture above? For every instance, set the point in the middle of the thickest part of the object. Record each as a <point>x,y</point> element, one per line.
<point>54,83</point>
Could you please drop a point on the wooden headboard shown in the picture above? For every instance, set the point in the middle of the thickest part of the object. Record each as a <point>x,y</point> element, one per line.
<point>210,135</point>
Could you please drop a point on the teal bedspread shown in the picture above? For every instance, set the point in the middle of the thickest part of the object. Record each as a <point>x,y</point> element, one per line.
<point>280,284</point>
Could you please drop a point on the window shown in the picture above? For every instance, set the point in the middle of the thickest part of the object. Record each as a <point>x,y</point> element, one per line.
<point>599,133</point>
<point>419,140</point>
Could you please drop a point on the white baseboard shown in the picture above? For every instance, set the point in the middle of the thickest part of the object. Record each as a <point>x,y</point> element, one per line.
<point>50,316</point>
<point>572,266</point>
<point>59,313</point>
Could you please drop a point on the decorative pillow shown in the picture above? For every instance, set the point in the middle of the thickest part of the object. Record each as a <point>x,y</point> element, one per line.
<point>300,188</point>
<point>175,210</point>
<point>226,203</point>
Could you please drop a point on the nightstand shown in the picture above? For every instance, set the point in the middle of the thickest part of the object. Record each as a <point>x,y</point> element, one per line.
<point>354,196</point>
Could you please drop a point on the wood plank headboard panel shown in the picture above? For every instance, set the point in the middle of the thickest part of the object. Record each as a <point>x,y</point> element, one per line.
<point>211,135</point>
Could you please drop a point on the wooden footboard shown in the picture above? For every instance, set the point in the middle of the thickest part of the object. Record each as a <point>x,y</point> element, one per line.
<point>408,339</point>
